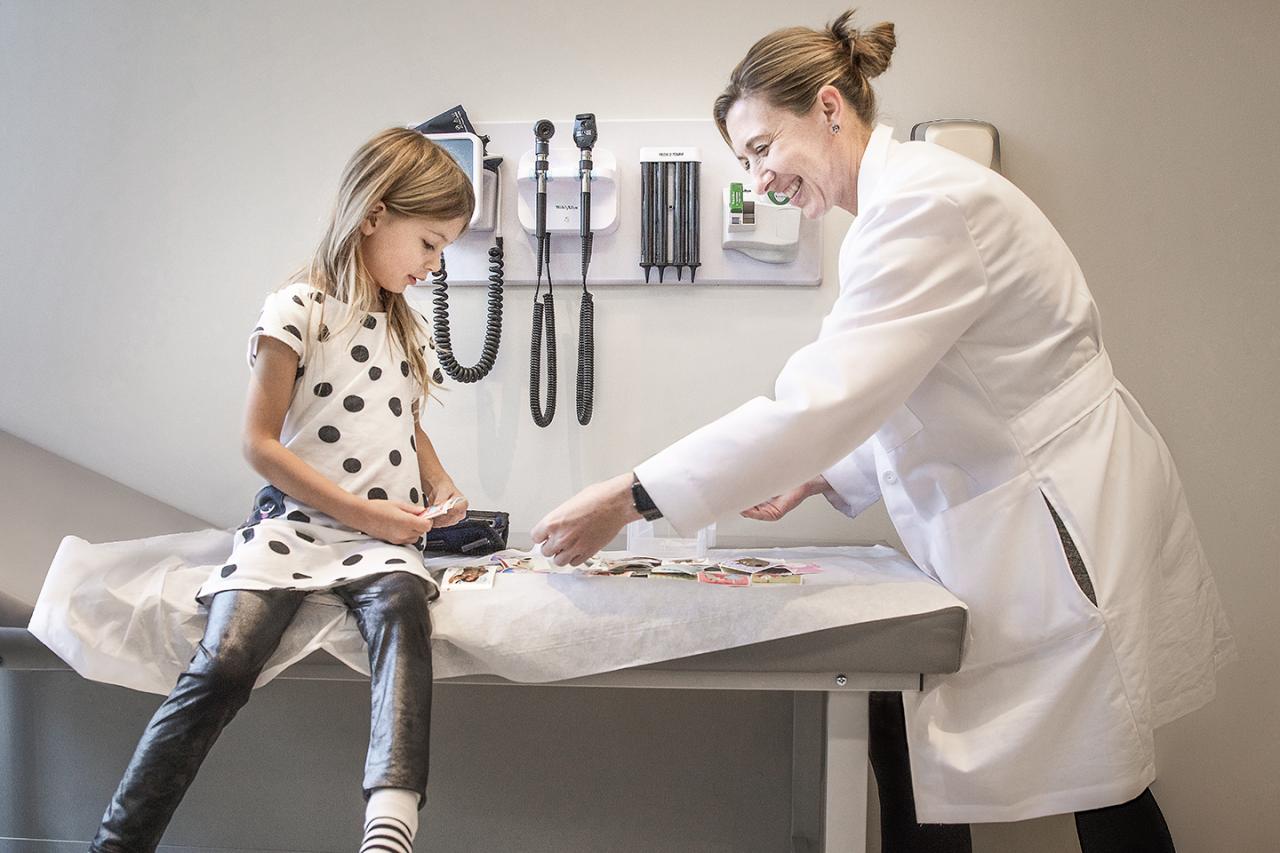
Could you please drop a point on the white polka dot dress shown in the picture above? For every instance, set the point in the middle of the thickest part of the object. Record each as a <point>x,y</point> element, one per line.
<point>351,419</point>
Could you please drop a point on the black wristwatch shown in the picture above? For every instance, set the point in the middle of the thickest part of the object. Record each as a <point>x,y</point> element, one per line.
<point>642,502</point>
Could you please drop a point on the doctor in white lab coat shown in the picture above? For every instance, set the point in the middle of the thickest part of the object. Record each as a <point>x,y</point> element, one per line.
<point>960,376</point>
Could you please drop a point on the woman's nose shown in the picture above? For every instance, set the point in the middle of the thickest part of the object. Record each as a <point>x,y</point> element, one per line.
<point>763,177</point>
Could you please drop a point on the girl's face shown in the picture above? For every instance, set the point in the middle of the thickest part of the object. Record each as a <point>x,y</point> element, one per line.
<point>398,250</point>
<point>794,155</point>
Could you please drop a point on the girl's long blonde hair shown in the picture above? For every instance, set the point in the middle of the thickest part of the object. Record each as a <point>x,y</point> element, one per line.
<point>412,176</point>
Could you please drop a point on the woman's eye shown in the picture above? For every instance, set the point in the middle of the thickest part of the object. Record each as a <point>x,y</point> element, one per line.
<point>762,150</point>
<point>428,246</point>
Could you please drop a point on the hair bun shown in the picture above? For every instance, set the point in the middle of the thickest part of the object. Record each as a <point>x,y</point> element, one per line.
<point>869,51</point>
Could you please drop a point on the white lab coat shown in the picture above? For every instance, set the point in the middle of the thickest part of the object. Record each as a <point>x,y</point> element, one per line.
<point>961,377</point>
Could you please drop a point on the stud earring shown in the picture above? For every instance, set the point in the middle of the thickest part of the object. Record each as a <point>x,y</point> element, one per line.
<point>835,128</point>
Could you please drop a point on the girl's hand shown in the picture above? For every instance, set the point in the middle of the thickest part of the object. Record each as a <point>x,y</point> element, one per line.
<point>779,505</point>
<point>445,492</point>
<point>395,522</point>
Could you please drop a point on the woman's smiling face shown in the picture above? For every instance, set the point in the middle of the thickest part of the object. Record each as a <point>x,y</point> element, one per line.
<point>793,155</point>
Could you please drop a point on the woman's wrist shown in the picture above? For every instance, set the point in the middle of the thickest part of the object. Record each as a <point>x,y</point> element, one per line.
<point>817,486</point>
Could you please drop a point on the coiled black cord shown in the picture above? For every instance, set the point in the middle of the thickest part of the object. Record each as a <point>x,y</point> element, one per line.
<point>544,316</point>
<point>586,342</point>
<point>492,326</point>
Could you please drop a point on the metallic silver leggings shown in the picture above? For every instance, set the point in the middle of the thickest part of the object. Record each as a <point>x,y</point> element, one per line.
<point>243,631</point>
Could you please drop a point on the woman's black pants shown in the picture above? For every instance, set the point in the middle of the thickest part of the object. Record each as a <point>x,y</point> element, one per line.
<point>1133,827</point>
<point>243,631</point>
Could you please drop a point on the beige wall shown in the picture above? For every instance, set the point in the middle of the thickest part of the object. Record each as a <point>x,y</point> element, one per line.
<point>166,164</point>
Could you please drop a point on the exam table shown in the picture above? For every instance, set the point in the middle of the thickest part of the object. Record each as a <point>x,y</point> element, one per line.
<point>829,672</point>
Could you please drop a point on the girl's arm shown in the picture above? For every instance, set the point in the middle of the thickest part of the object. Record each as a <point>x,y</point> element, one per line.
<point>270,393</point>
<point>437,485</point>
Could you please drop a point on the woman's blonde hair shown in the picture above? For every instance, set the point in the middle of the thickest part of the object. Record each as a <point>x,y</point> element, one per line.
<point>789,66</point>
<point>411,176</point>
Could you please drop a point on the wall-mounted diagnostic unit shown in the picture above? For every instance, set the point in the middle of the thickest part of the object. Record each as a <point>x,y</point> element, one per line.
<point>766,227</point>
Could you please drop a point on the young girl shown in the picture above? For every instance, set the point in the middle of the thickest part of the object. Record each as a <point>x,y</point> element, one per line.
<point>339,368</point>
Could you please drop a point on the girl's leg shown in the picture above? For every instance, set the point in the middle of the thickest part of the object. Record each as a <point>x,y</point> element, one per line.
<point>1133,827</point>
<point>391,611</point>
<point>899,831</point>
<point>243,630</point>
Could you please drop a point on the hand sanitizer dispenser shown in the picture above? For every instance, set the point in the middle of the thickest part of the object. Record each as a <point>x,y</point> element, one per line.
<point>977,140</point>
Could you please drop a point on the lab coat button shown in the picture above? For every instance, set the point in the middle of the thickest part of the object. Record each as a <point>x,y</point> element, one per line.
<point>890,477</point>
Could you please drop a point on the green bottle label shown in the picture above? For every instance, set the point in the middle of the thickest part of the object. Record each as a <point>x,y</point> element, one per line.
<point>735,198</point>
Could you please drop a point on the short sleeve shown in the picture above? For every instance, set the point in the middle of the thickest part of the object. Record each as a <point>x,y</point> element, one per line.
<point>285,316</point>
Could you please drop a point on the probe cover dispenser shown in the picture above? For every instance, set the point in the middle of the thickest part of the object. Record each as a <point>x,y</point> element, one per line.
<point>564,188</point>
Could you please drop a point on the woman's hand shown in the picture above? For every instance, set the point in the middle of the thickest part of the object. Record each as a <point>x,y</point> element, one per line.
<point>394,521</point>
<point>779,505</point>
<point>441,495</point>
<point>582,525</point>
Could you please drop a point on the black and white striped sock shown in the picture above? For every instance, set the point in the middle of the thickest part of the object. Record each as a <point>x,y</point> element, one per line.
<point>390,821</point>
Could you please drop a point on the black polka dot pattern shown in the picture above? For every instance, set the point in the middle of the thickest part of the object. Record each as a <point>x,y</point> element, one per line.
<point>342,429</point>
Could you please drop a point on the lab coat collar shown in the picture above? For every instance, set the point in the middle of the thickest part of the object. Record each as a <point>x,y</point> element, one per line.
<point>873,160</point>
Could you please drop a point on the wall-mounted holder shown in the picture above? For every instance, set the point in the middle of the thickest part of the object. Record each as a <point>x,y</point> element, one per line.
<point>564,191</point>
<point>766,227</point>
<point>616,254</point>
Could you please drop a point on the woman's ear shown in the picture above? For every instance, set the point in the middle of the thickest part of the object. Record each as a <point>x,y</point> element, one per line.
<point>370,223</point>
<point>831,104</point>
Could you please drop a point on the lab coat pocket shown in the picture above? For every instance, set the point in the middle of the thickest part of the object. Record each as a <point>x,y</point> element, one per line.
<point>1000,553</point>
<point>901,426</point>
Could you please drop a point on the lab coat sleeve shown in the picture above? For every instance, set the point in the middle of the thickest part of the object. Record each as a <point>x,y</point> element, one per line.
<point>911,283</point>
<point>853,484</point>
